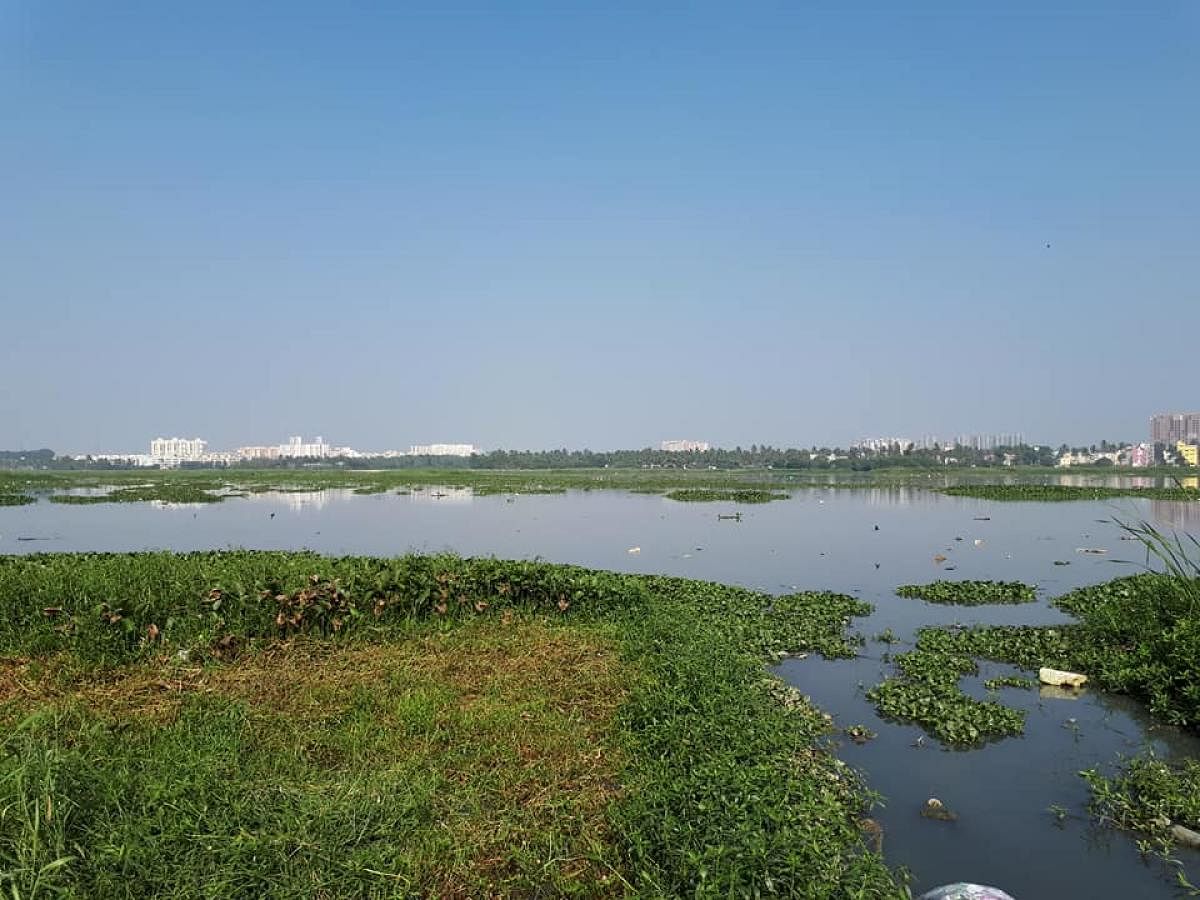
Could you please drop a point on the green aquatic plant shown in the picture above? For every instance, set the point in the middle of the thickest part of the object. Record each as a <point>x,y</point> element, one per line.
<point>970,593</point>
<point>1062,492</point>
<point>16,499</point>
<point>1012,681</point>
<point>1147,794</point>
<point>163,492</point>
<point>697,495</point>
<point>926,691</point>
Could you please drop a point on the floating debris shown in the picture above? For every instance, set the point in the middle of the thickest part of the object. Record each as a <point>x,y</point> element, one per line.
<point>1062,562</point>
<point>1095,550</point>
<point>633,551</point>
<point>935,809</point>
<point>860,734</point>
<point>1059,678</point>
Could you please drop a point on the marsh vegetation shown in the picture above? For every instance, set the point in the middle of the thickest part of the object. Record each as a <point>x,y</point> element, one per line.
<point>211,723</point>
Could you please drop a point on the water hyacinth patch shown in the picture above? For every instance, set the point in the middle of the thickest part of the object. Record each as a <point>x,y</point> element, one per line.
<point>699,495</point>
<point>1063,492</point>
<point>970,593</point>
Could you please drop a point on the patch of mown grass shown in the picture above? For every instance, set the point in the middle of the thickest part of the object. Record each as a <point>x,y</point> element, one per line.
<point>700,495</point>
<point>295,725</point>
<point>970,593</point>
<point>475,761</point>
<point>16,499</point>
<point>1064,492</point>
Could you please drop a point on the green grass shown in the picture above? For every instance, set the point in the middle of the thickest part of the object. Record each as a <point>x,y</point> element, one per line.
<point>970,593</point>
<point>1062,492</point>
<point>247,724</point>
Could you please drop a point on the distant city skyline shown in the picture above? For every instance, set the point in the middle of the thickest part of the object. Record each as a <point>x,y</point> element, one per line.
<point>174,450</point>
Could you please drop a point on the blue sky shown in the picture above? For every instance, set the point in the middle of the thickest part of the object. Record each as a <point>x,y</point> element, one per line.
<point>531,225</point>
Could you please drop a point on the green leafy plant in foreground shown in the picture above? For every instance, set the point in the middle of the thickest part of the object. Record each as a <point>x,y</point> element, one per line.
<point>1147,794</point>
<point>970,593</point>
<point>725,786</point>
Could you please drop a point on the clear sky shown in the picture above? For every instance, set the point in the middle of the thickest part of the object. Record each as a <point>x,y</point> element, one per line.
<point>596,224</point>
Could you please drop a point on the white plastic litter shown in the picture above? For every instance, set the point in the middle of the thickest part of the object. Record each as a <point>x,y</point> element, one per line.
<point>965,891</point>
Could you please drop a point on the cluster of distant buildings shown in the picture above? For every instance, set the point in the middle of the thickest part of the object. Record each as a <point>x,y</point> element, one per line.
<point>933,442</point>
<point>1174,439</point>
<point>176,451</point>
<point>1180,431</point>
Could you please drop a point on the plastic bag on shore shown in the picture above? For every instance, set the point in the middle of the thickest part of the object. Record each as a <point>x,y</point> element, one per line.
<point>965,891</point>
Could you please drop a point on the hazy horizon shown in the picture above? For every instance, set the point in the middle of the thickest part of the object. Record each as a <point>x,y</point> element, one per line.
<point>526,226</point>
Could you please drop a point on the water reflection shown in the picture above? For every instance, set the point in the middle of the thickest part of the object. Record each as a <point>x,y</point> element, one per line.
<point>1180,516</point>
<point>444,496</point>
<point>295,501</point>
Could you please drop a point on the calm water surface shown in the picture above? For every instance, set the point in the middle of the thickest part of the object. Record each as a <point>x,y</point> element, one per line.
<point>821,539</point>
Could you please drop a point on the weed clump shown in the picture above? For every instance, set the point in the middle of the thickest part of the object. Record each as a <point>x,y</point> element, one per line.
<point>700,495</point>
<point>1147,794</point>
<point>970,593</point>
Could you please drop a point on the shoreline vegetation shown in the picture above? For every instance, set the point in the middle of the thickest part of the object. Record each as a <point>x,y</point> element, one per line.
<point>210,723</point>
<point>1138,635</point>
<point>1057,493</point>
<point>738,485</point>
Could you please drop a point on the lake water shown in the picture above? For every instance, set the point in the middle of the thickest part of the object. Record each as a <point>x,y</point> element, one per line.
<point>820,539</point>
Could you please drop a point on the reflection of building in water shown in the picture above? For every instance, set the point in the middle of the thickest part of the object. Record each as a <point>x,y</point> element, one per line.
<point>456,496</point>
<point>298,500</point>
<point>893,495</point>
<point>1183,515</point>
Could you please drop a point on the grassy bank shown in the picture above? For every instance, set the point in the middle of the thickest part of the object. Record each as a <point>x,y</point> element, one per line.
<point>286,724</point>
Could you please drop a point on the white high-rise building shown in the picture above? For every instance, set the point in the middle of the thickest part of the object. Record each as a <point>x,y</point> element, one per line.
<point>176,450</point>
<point>297,448</point>
<point>683,446</point>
